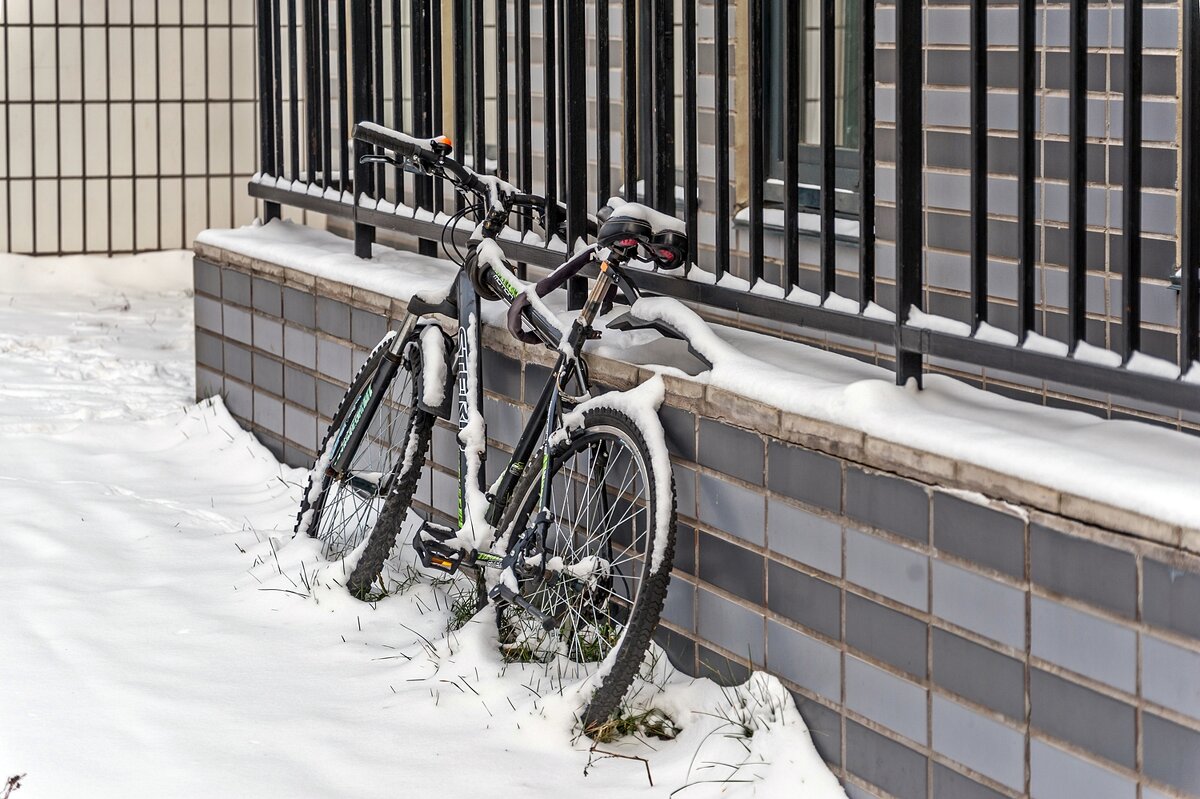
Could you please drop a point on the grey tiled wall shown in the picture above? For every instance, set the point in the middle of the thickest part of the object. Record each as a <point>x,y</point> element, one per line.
<point>938,644</point>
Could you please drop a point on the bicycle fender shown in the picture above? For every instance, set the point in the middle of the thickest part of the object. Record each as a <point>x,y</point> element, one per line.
<point>628,321</point>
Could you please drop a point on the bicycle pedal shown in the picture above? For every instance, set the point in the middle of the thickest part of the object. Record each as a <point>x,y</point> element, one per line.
<point>438,532</point>
<point>436,555</point>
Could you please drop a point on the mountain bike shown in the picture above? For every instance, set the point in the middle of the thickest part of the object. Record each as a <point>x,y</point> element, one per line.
<point>573,542</point>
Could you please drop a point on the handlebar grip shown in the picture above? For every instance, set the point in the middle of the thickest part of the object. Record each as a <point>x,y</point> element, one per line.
<point>399,143</point>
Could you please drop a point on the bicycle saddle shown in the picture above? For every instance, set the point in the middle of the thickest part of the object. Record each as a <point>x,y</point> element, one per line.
<point>631,225</point>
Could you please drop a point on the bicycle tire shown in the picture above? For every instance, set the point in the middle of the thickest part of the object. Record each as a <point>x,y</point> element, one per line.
<point>379,454</point>
<point>634,637</point>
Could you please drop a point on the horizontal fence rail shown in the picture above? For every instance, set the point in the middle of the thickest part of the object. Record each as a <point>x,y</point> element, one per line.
<point>818,212</point>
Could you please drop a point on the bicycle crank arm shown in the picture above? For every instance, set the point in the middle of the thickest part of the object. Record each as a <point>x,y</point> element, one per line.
<point>487,560</point>
<point>502,593</point>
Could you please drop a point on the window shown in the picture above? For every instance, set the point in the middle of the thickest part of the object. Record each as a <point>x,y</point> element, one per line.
<point>846,27</point>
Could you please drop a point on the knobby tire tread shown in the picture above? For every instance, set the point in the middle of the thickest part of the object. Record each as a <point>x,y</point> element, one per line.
<point>395,509</point>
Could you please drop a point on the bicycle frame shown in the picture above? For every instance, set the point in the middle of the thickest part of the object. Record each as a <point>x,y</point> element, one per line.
<point>546,410</point>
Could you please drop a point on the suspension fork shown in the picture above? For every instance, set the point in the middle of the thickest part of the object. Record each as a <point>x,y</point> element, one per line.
<point>355,429</point>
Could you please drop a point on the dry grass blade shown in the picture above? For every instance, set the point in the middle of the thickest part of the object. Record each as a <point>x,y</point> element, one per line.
<point>592,760</point>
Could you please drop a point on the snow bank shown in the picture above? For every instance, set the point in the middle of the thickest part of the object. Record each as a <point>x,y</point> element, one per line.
<point>170,270</point>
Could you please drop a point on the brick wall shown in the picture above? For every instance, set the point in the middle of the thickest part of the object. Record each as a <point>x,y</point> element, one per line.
<point>939,643</point>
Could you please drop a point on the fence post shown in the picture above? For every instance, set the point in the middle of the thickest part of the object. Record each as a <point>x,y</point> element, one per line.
<point>267,91</point>
<point>576,124</point>
<point>909,197</point>
<point>364,109</point>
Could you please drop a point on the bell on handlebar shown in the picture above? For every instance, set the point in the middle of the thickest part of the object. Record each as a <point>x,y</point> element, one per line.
<point>442,145</point>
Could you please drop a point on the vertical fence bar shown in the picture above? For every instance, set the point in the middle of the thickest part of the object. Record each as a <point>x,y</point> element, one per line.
<point>267,88</point>
<point>524,109</point>
<point>460,99</point>
<point>1026,165</point>
<point>629,99</point>
<point>437,89</point>
<point>347,170</point>
<point>1189,301</point>
<point>58,138</point>
<point>293,91</point>
<point>362,31</point>
<point>479,114</point>
<point>721,44</point>
<point>979,176</point>
<point>690,133</point>
<point>1131,194</point>
<point>866,156</point>
<point>422,104</point>
<point>550,117</point>
<point>326,94</point>
<point>398,88</point>
<point>379,179</point>
<point>6,79</point>
<point>1077,176</point>
<point>502,90</point>
<point>277,72</point>
<point>828,151</point>
<point>909,194</point>
<point>757,174</point>
<point>603,140</point>
<point>792,14</point>
<point>524,98</point>
<point>312,91</point>
<point>575,118</point>
<point>661,191</point>
<point>561,67</point>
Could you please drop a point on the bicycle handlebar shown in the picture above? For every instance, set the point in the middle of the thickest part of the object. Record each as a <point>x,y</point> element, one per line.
<point>432,157</point>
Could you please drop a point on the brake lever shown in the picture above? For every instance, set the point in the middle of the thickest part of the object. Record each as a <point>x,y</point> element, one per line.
<point>376,158</point>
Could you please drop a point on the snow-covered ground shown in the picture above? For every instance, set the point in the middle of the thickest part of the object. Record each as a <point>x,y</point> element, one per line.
<point>163,636</point>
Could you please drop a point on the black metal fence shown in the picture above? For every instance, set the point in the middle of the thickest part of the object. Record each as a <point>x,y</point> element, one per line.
<point>498,73</point>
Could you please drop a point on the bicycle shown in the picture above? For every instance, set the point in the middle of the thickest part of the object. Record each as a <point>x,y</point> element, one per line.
<point>573,543</point>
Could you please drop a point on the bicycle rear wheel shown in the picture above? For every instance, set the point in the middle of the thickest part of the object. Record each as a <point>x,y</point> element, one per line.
<point>608,556</point>
<point>340,509</point>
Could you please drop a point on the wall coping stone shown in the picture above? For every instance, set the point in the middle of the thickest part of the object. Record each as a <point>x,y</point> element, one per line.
<point>741,411</point>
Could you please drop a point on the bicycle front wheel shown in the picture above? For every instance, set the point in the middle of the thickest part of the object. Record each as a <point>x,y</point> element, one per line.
<point>340,508</point>
<point>607,558</point>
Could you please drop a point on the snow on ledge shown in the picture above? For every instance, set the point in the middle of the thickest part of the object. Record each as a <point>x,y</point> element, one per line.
<point>1138,467</point>
<point>322,254</point>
